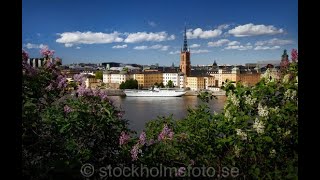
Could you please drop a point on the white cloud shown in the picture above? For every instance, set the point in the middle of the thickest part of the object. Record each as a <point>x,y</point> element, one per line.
<point>233,43</point>
<point>78,47</point>
<point>239,47</point>
<point>254,30</point>
<point>273,42</point>
<point>152,24</point>
<point>174,52</point>
<point>223,26</point>
<point>120,46</point>
<point>218,43</point>
<point>266,47</point>
<point>35,46</point>
<point>140,47</point>
<point>199,33</point>
<point>195,46</point>
<point>71,38</point>
<point>200,51</point>
<point>68,45</point>
<point>248,44</point>
<point>144,36</point>
<point>157,46</point>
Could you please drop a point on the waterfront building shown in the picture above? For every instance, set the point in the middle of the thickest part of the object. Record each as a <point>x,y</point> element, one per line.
<point>113,79</point>
<point>197,83</point>
<point>148,79</point>
<point>174,77</point>
<point>182,80</point>
<point>237,73</point>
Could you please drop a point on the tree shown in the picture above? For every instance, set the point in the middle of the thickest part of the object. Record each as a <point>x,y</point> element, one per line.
<point>161,85</point>
<point>99,75</point>
<point>170,84</point>
<point>129,84</point>
<point>156,84</point>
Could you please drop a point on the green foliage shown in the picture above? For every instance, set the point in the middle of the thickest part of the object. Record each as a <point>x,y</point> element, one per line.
<point>206,96</point>
<point>99,75</point>
<point>257,132</point>
<point>170,84</point>
<point>129,84</point>
<point>61,132</point>
<point>161,85</point>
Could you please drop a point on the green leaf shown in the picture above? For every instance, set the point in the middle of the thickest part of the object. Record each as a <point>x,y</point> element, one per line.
<point>268,139</point>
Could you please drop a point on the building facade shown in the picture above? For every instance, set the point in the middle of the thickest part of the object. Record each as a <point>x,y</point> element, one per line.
<point>115,78</point>
<point>197,83</point>
<point>174,77</point>
<point>247,76</point>
<point>148,79</point>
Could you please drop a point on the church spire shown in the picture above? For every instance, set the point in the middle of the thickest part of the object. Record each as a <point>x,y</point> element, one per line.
<point>185,45</point>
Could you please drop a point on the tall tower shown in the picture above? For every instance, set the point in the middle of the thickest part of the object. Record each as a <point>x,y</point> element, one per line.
<point>185,65</point>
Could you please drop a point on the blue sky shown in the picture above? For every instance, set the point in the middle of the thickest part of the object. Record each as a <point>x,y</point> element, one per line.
<point>151,31</point>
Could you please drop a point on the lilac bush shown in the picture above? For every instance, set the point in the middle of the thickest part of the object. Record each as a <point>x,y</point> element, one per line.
<point>60,132</point>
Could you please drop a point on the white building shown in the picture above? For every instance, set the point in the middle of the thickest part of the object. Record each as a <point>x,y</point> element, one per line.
<point>182,81</point>
<point>116,77</point>
<point>178,79</point>
<point>174,77</point>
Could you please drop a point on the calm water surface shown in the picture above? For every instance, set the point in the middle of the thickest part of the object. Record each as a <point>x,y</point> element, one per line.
<point>139,110</point>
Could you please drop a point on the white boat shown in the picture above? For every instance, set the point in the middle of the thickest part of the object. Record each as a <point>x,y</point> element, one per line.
<point>156,92</point>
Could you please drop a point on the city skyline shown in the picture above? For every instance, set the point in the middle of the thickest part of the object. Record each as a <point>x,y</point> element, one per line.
<point>146,32</point>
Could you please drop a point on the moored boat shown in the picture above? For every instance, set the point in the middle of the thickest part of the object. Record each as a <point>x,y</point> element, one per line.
<point>154,93</point>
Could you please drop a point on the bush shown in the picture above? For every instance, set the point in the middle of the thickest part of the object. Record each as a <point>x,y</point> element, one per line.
<point>61,132</point>
<point>257,132</point>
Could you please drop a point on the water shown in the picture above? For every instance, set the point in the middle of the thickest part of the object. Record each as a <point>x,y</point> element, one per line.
<point>139,110</point>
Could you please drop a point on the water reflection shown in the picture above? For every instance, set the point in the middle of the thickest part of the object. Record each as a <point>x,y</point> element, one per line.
<point>139,110</point>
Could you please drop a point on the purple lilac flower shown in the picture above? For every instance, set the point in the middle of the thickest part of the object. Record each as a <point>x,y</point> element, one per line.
<point>29,70</point>
<point>192,162</point>
<point>142,138</point>
<point>25,55</point>
<point>150,142</point>
<point>62,81</point>
<point>120,114</point>
<point>124,138</point>
<point>166,132</point>
<point>83,91</point>
<point>134,152</point>
<point>67,109</point>
<point>50,87</point>
<point>181,171</point>
<point>49,65</point>
<point>45,52</point>
<point>294,55</point>
<point>80,78</point>
<point>95,92</point>
<point>103,95</point>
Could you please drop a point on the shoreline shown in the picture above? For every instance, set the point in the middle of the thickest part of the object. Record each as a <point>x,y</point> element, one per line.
<point>118,92</point>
